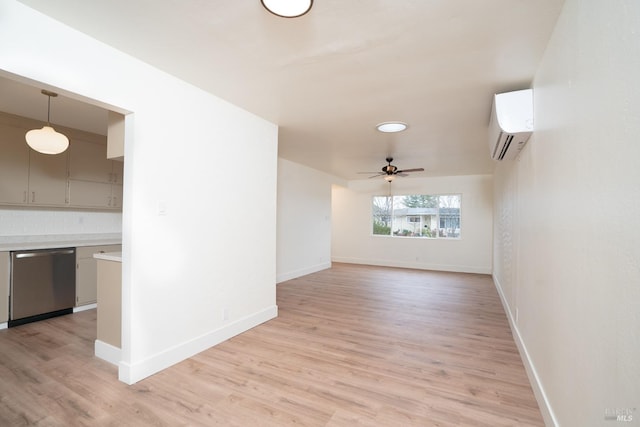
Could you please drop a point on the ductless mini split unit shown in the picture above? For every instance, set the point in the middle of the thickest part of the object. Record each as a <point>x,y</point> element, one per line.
<point>511,123</point>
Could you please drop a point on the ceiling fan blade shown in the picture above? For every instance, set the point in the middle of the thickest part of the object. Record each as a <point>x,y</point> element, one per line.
<point>377,175</point>
<point>411,170</point>
<point>402,174</point>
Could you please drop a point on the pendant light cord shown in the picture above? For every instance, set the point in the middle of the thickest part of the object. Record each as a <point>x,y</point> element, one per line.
<point>48,110</point>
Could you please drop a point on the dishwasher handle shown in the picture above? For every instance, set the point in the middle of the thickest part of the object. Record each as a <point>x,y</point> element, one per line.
<point>44,253</point>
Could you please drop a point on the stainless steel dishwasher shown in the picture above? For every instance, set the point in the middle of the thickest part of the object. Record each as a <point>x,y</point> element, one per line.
<point>43,284</point>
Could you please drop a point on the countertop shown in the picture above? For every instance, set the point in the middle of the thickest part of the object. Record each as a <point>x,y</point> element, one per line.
<point>17,243</point>
<point>109,256</point>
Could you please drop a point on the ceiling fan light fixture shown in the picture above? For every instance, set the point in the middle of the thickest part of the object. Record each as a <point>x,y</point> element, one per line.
<point>388,178</point>
<point>391,127</point>
<point>47,140</point>
<point>287,8</point>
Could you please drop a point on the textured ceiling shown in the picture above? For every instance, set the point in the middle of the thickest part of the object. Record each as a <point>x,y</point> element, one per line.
<point>329,77</point>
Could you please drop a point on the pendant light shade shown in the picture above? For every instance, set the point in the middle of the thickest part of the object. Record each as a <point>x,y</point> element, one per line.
<point>47,140</point>
<point>288,8</point>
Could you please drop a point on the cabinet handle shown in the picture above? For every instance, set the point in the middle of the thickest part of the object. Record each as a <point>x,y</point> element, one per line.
<point>33,197</point>
<point>109,203</point>
<point>24,196</point>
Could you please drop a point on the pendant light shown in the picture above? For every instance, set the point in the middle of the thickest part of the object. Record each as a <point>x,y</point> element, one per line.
<point>47,140</point>
<point>288,8</point>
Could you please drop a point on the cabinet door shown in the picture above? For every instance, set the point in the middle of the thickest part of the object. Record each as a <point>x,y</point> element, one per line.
<point>89,194</point>
<point>116,196</point>
<point>47,179</point>
<point>86,281</point>
<point>14,165</point>
<point>4,287</point>
<point>117,172</point>
<point>86,272</point>
<point>88,162</point>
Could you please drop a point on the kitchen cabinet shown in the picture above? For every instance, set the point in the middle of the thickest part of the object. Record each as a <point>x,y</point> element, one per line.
<point>115,135</point>
<point>81,177</point>
<point>86,272</point>
<point>47,179</point>
<point>116,196</point>
<point>88,161</point>
<point>26,176</point>
<point>87,194</point>
<point>4,287</point>
<point>117,172</point>
<point>14,165</point>
<point>94,180</point>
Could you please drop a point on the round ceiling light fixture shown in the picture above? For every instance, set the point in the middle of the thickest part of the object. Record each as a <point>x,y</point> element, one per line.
<point>390,127</point>
<point>287,8</point>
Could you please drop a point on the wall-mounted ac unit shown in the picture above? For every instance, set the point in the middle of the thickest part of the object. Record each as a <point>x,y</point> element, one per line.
<point>511,123</point>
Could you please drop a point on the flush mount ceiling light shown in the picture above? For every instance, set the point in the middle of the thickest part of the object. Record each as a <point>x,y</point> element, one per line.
<point>390,127</point>
<point>47,140</point>
<point>287,8</point>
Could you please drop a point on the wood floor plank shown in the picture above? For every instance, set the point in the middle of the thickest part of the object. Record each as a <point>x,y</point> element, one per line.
<point>352,346</point>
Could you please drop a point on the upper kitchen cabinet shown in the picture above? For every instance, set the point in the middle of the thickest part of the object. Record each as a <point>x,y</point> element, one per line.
<point>92,175</point>
<point>47,179</point>
<point>80,177</point>
<point>88,161</point>
<point>14,164</point>
<point>28,177</point>
<point>115,136</point>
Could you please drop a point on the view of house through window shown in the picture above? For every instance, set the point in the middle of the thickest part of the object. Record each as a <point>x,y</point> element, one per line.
<point>417,215</point>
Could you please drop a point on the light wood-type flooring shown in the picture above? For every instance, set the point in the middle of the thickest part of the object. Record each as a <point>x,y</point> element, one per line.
<point>352,346</point>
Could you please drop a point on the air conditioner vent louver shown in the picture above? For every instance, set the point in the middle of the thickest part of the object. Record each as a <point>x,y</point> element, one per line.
<point>505,148</point>
<point>511,123</point>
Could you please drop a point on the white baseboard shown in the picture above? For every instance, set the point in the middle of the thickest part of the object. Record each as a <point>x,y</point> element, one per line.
<point>415,265</point>
<point>131,373</point>
<point>534,379</point>
<point>107,352</point>
<point>302,272</point>
<point>85,307</point>
<point>4,325</point>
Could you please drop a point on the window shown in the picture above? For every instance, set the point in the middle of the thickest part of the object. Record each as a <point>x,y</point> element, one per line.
<point>417,215</point>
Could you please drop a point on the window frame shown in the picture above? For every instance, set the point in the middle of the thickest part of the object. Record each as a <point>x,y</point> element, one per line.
<point>437,235</point>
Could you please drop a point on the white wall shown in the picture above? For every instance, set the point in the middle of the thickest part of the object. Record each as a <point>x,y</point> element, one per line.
<point>304,220</point>
<point>182,270</point>
<point>352,241</point>
<point>567,239</point>
<point>15,221</point>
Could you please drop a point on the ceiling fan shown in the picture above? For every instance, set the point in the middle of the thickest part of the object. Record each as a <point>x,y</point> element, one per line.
<point>389,171</point>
